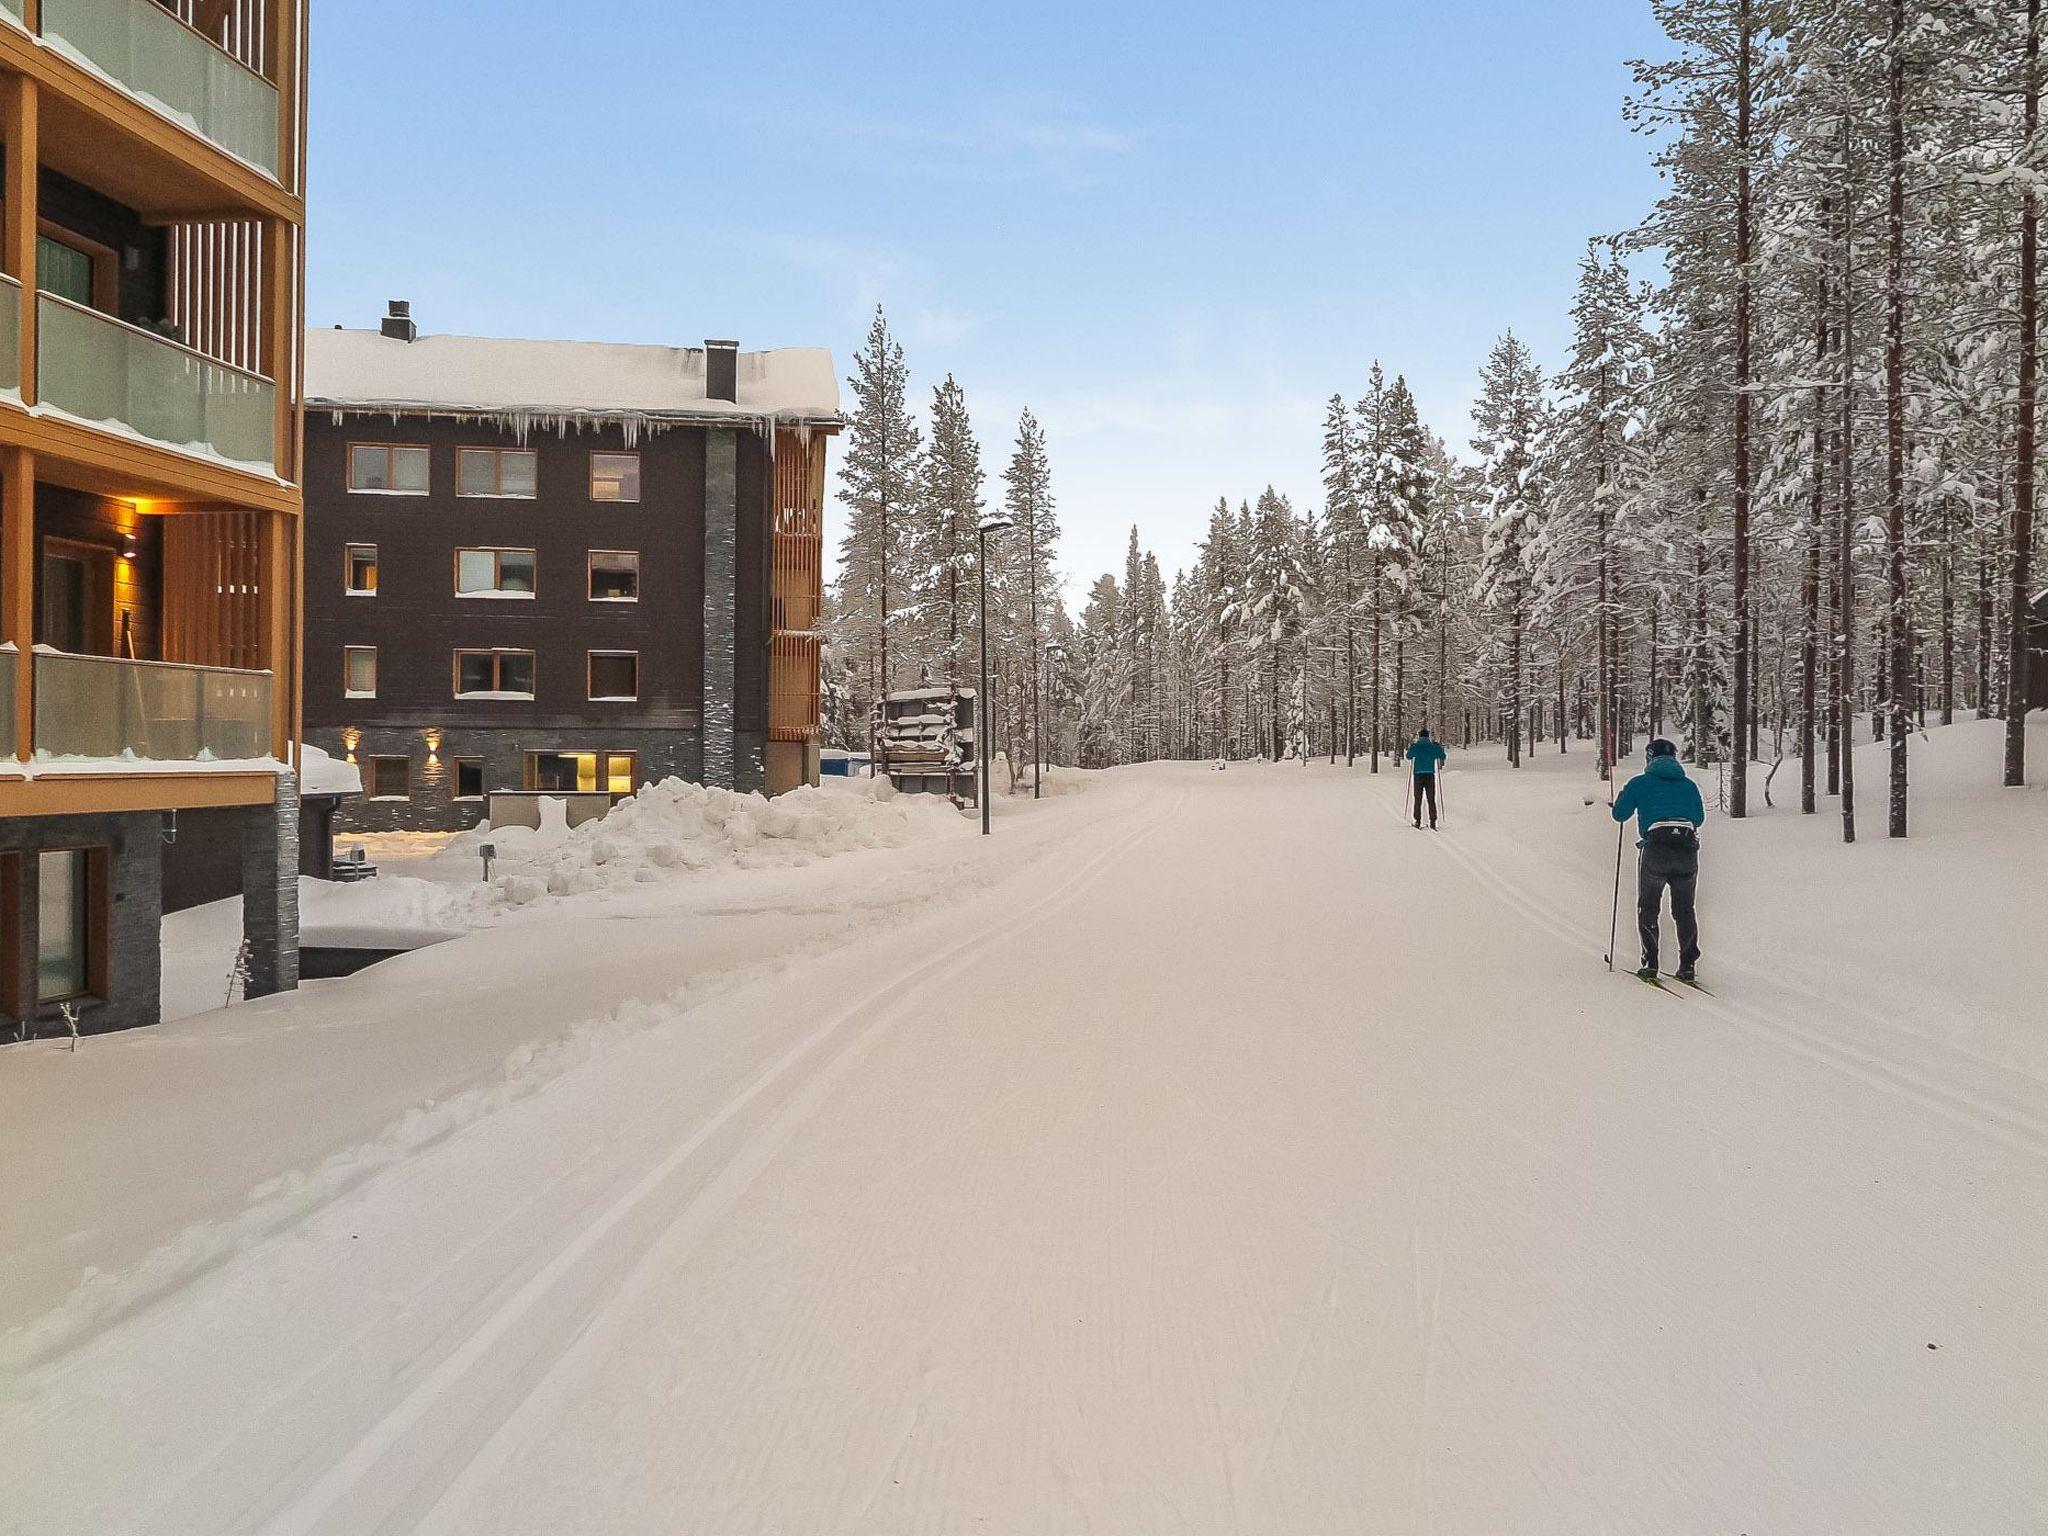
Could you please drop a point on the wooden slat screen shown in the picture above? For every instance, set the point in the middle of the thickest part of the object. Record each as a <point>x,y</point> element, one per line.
<point>796,587</point>
<point>793,688</point>
<point>213,611</point>
<point>216,289</point>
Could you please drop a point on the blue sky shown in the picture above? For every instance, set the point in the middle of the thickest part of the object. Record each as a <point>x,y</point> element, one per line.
<point>1171,230</point>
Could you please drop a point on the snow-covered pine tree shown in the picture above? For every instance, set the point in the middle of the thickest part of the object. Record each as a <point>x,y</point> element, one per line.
<point>880,480</point>
<point>1027,496</point>
<point>1508,424</point>
<point>944,538</point>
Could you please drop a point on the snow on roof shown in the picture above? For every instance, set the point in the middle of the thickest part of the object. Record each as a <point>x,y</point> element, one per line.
<point>321,773</point>
<point>557,382</point>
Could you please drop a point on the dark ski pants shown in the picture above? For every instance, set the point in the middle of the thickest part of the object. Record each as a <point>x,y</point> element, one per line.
<point>1425,784</point>
<point>1678,870</point>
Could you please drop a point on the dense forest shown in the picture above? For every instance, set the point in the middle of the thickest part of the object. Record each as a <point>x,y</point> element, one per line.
<point>1777,498</point>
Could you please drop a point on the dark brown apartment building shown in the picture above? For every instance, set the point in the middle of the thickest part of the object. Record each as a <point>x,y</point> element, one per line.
<point>560,566</point>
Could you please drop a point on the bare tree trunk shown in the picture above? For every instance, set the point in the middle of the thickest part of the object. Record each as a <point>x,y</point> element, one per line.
<point>2023,478</point>
<point>1899,622</point>
<point>1744,705</point>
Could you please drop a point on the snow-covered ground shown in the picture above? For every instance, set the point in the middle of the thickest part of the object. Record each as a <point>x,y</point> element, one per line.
<point>1206,1152</point>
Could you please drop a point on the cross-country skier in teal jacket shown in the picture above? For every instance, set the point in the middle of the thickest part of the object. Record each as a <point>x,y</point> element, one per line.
<point>1425,756</point>
<point>1669,813</point>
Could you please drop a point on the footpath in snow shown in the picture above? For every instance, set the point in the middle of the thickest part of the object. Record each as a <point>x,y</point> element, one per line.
<point>1213,1152</point>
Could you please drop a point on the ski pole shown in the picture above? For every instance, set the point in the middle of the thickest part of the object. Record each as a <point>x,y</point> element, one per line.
<point>1614,913</point>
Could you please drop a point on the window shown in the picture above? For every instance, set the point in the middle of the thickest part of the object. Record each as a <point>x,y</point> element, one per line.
<point>494,674</point>
<point>614,576</point>
<point>614,675</point>
<point>469,778</point>
<point>495,472</point>
<point>359,671</point>
<point>361,561</point>
<point>585,772</point>
<point>63,924</point>
<point>386,469</point>
<point>494,572</point>
<point>390,778</point>
<point>615,477</point>
<point>65,270</point>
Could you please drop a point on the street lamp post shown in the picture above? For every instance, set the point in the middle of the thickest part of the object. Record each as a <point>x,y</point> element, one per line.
<point>982,733</point>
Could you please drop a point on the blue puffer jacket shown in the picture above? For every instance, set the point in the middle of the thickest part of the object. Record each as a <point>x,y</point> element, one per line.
<point>1661,792</point>
<point>1425,756</point>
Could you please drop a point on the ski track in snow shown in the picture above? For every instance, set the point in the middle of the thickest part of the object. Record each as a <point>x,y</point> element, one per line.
<point>1237,1175</point>
<point>1980,1109</point>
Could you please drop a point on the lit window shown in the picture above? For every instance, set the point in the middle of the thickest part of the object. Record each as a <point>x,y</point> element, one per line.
<point>63,923</point>
<point>614,576</point>
<point>494,572</point>
<point>390,778</point>
<point>387,470</point>
<point>359,671</point>
<point>495,472</point>
<point>615,477</point>
<point>469,778</point>
<point>582,772</point>
<point>362,570</point>
<point>614,676</point>
<point>494,674</point>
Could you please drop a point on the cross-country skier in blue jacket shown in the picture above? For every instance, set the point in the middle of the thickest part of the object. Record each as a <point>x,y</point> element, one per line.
<point>1669,813</point>
<point>1425,756</point>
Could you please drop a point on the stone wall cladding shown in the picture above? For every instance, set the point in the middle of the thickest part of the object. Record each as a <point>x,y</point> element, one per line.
<point>270,890</point>
<point>721,615</point>
<point>663,754</point>
<point>135,913</point>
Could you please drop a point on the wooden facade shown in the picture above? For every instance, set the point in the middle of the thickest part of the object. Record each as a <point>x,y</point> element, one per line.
<point>151,327</point>
<point>796,597</point>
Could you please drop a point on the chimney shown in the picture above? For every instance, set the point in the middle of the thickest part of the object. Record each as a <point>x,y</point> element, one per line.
<point>398,324</point>
<point>722,370</point>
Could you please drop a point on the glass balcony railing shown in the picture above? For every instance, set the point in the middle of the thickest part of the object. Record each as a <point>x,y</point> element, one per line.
<point>155,711</point>
<point>143,48</point>
<point>9,660</point>
<point>104,371</point>
<point>10,334</point>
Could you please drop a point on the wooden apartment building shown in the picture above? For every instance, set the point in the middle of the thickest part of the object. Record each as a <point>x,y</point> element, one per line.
<point>150,273</point>
<point>560,566</point>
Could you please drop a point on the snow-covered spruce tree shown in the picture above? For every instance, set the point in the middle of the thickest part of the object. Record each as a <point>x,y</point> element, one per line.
<point>1224,600</point>
<point>1344,541</point>
<point>1714,97</point>
<point>1404,486</point>
<point>1279,600</point>
<point>1508,424</point>
<point>880,480</point>
<point>1028,498</point>
<point>943,540</point>
<point>1597,413</point>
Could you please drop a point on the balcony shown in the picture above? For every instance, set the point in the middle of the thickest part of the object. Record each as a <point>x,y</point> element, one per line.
<point>173,70</point>
<point>10,333</point>
<point>109,373</point>
<point>105,707</point>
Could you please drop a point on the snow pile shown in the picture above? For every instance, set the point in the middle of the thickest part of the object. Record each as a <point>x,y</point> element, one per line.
<point>674,828</point>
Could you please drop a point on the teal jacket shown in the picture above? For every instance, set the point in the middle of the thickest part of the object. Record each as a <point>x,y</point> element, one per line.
<point>1427,756</point>
<point>1661,792</point>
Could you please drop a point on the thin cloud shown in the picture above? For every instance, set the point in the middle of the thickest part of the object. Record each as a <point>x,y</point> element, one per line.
<point>1049,146</point>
